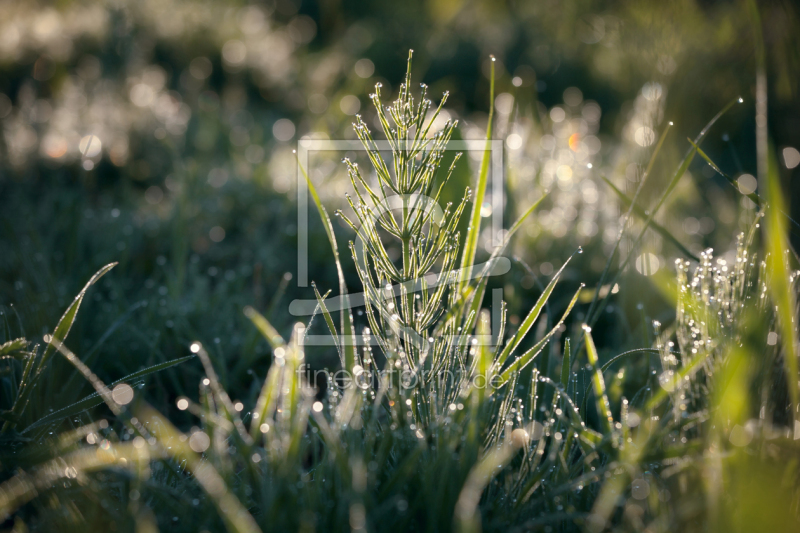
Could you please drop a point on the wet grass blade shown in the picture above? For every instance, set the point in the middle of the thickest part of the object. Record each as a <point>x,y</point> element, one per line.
<point>670,384</point>
<point>329,320</point>
<point>94,350</point>
<point>753,196</point>
<point>565,365</point>
<point>236,517</point>
<point>527,324</point>
<point>601,398</point>
<point>95,399</point>
<point>658,228</point>
<point>467,515</point>
<point>471,240</point>
<point>598,305</point>
<point>523,360</point>
<point>476,295</point>
<point>262,324</point>
<point>58,335</point>
<point>12,347</point>
<point>65,324</point>
<point>778,279</point>
<point>348,334</point>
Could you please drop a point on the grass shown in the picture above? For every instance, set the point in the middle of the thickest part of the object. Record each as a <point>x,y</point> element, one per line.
<point>534,428</point>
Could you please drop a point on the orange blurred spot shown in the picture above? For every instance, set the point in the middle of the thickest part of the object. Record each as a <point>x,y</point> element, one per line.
<point>56,148</point>
<point>574,141</point>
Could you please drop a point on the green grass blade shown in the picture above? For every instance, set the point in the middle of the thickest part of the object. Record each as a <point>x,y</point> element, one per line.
<point>59,335</point>
<point>95,399</point>
<point>65,324</point>
<point>236,517</point>
<point>675,379</point>
<point>471,240</point>
<point>477,295</point>
<point>269,393</point>
<point>779,275</point>
<point>12,347</point>
<point>467,513</point>
<point>625,220</point>
<point>348,335</point>
<point>754,197</point>
<point>484,365</point>
<point>523,360</point>
<point>598,305</point>
<point>603,406</point>
<point>95,350</point>
<point>527,324</point>
<point>566,365</point>
<point>661,230</point>
<point>328,320</point>
<point>262,324</point>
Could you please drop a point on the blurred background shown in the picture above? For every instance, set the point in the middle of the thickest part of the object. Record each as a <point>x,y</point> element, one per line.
<point>160,134</point>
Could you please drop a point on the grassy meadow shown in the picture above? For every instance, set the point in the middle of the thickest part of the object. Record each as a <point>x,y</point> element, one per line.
<point>443,266</point>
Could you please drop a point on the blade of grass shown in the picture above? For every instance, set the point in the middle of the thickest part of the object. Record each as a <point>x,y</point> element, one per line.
<point>467,514</point>
<point>661,230</point>
<point>523,360</point>
<point>269,393</point>
<point>669,384</point>
<point>565,365</point>
<point>348,334</point>
<point>476,296</point>
<point>526,325</point>
<point>778,278</point>
<point>625,220</point>
<point>95,399</point>
<point>328,320</point>
<point>90,355</point>
<point>12,346</point>
<point>753,196</point>
<point>262,324</point>
<point>236,517</point>
<point>603,406</point>
<point>60,333</point>
<point>471,240</point>
<point>598,305</point>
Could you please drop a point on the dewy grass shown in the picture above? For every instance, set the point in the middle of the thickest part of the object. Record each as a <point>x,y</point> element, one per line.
<point>434,422</point>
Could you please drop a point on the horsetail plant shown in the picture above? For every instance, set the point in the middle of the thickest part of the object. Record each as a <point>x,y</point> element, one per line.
<point>423,320</point>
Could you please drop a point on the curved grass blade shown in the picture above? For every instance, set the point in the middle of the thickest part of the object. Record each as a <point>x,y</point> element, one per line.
<point>348,335</point>
<point>269,390</point>
<point>95,399</point>
<point>675,379</point>
<point>661,230</point>
<point>59,335</point>
<point>90,355</point>
<point>527,324</point>
<point>467,515</point>
<point>628,353</point>
<point>65,324</point>
<point>329,320</point>
<point>523,360</point>
<point>236,517</point>
<point>594,310</point>
<point>262,324</point>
